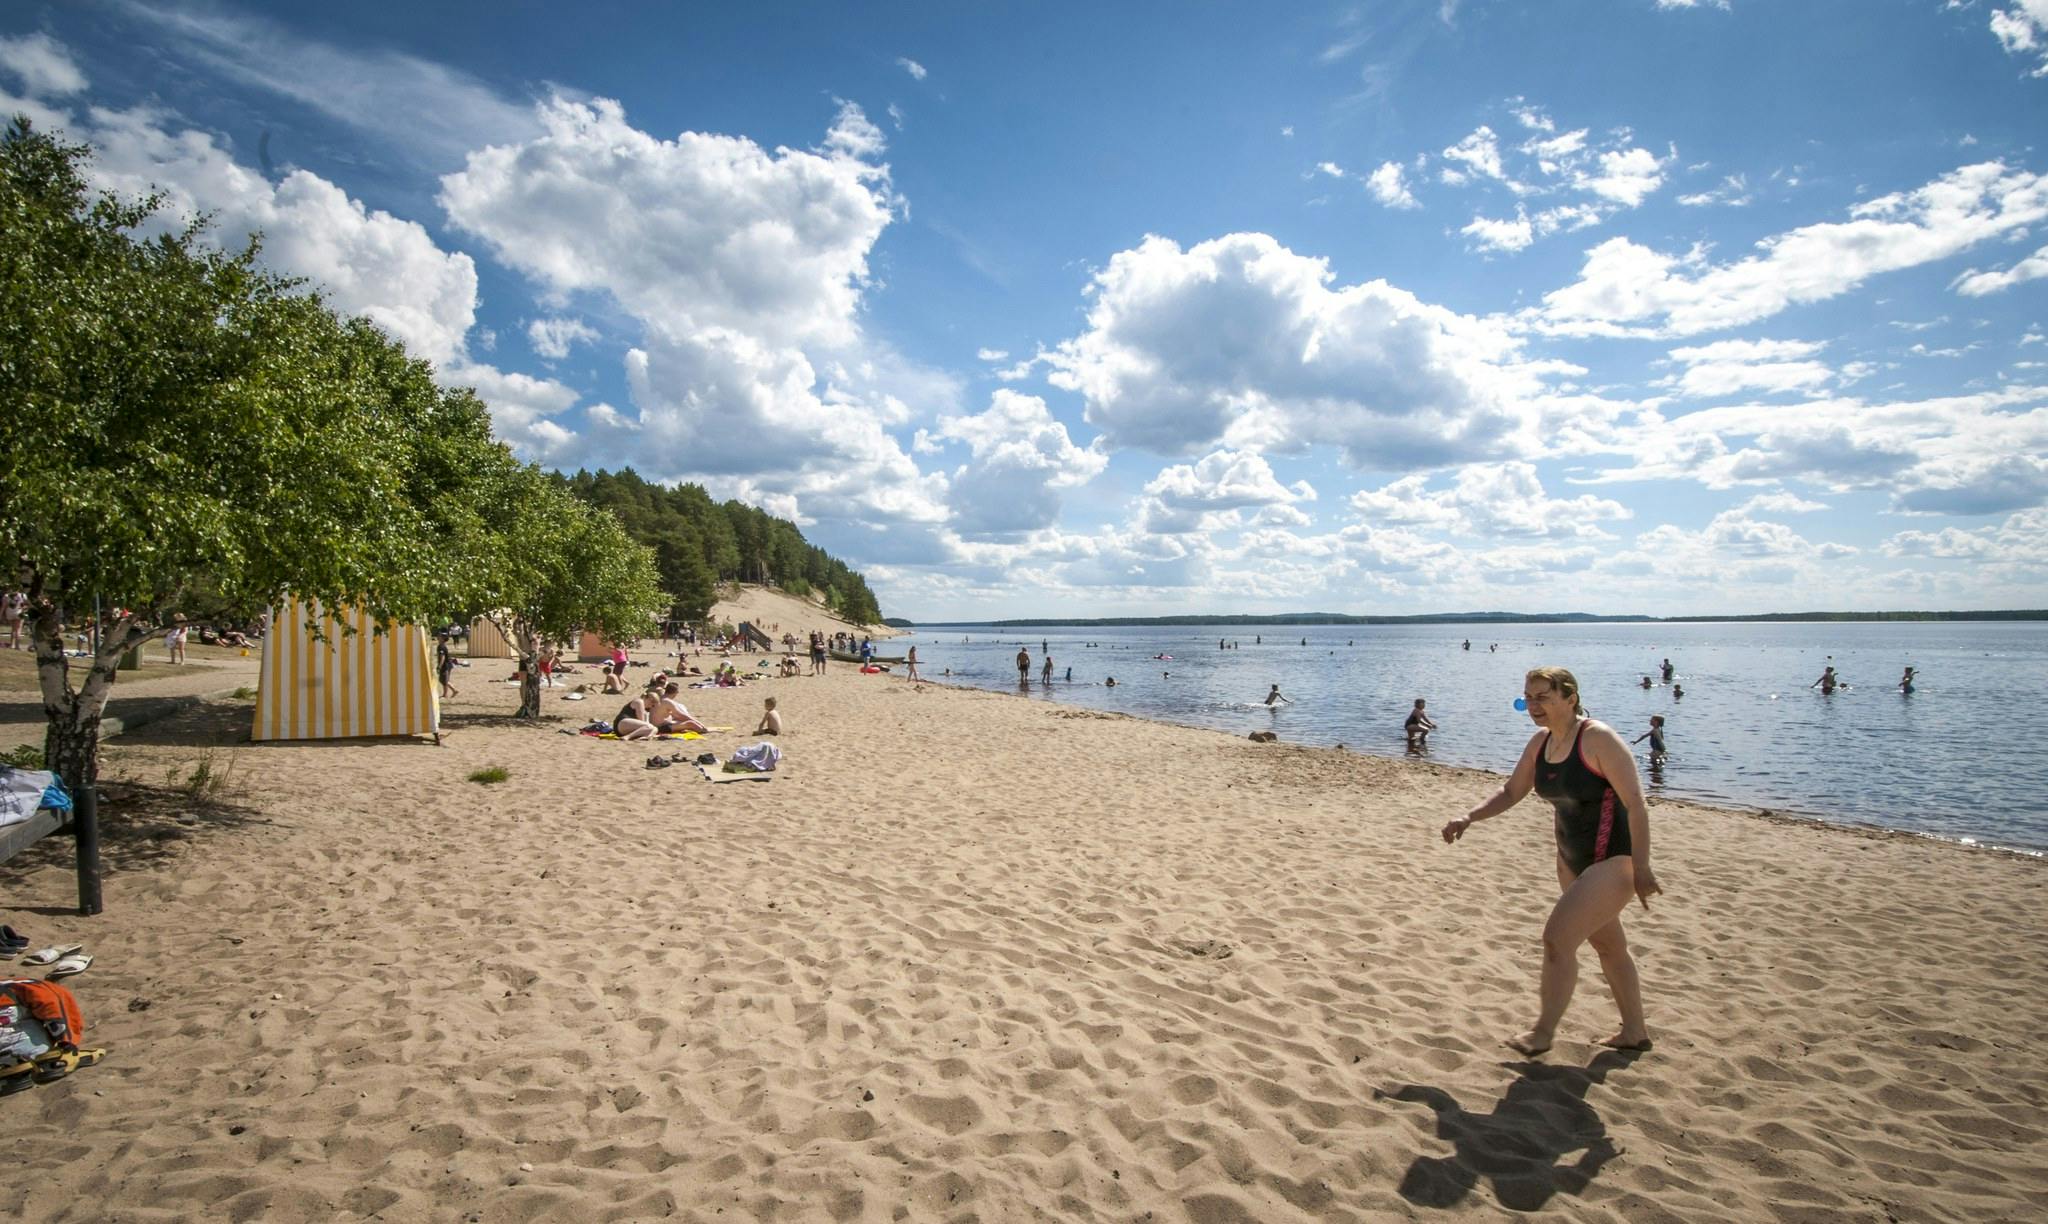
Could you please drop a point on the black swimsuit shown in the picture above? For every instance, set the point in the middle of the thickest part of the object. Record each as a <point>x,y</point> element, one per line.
<point>1592,823</point>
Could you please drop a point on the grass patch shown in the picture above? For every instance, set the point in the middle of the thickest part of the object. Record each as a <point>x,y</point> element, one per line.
<point>244,693</point>
<point>208,778</point>
<point>23,756</point>
<point>490,776</point>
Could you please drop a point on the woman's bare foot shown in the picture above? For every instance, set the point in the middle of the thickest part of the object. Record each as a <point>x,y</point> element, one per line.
<point>1626,1040</point>
<point>1529,1044</point>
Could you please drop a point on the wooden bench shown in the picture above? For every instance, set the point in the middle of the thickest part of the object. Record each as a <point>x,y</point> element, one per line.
<point>83,822</point>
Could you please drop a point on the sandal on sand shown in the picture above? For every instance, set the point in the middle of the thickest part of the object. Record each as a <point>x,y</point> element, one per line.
<point>17,1077</point>
<point>52,954</point>
<point>59,1063</point>
<point>76,963</point>
<point>658,762</point>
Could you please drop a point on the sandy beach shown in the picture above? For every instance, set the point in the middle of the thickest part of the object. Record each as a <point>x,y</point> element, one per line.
<point>973,956</point>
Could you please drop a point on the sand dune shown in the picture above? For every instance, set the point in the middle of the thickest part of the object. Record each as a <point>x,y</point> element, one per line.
<point>975,956</point>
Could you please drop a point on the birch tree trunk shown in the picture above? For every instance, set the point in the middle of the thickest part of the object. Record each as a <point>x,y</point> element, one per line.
<point>527,643</point>
<point>71,740</point>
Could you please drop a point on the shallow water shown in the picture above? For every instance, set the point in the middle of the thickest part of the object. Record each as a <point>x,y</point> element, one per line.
<point>1961,757</point>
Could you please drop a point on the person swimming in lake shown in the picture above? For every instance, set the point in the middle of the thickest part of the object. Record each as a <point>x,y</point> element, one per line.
<point>1602,826</point>
<point>1656,737</point>
<point>1419,725</point>
<point>1109,683</point>
<point>1274,700</point>
<point>1906,682</point>
<point>1828,681</point>
<point>1023,666</point>
<point>1669,671</point>
<point>1649,683</point>
<point>1677,691</point>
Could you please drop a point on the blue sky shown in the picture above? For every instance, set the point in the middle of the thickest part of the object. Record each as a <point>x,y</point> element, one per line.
<point>1621,306</point>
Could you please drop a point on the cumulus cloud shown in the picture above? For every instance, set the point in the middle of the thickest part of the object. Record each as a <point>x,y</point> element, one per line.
<point>1201,495</point>
<point>1388,186</point>
<point>1021,459</point>
<point>2023,30</point>
<point>366,261</point>
<point>42,65</point>
<point>1976,284</point>
<point>1488,500</point>
<point>553,338</point>
<point>1478,153</point>
<point>1628,289</point>
<point>1626,177</point>
<point>1726,367</point>
<point>1779,503</point>
<point>744,268</point>
<point>1241,341</point>
<point>1488,234</point>
<point>2021,540</point>
<point>1968,454</point>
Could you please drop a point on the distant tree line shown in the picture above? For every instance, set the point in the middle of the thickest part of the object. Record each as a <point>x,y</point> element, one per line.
<point>699,543</point>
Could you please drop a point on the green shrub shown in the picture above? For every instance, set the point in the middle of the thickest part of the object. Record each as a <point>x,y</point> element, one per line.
<point>490,776</point>
<point>25,756</point>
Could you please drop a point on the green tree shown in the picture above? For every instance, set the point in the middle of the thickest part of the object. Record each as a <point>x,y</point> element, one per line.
<point>192,437</point>
<point>554,566</point>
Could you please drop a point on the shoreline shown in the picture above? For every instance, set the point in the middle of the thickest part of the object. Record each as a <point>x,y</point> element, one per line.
<point>1777,815</point>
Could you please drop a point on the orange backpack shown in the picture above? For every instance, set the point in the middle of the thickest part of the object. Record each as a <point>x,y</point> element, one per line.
<point>52,1005</point>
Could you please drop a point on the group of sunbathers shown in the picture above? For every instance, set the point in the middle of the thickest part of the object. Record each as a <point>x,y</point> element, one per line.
<point>657,711</point>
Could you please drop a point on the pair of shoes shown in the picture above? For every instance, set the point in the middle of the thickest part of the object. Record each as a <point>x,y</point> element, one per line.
<point>11,942</point>
<point>77,962</point>
<point>658,762</point>
<point>707,758</point>
<point>52,954</point>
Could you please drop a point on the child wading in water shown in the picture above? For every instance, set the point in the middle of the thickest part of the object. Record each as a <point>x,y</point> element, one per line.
<point>1419,725</point>
<point>1656,737</point>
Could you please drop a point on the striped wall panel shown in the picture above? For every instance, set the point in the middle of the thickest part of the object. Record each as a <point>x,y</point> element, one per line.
<point>349,686</point>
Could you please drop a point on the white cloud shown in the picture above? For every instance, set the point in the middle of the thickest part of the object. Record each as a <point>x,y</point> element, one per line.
<point>1976,284</point>
<point>2023,30</point>
<point>1726,367</point>
<point>2020,541</point>
<point>1534,119</point>
<point>1188,497</point>
<point>431,112</point>
<point>1389,188</point>
<point>1779,503</point>
<point>745,269</point>
<point>553,338</point>
<point>1626,177</point>
<point>1732,191</point>
<point>1686,4</point>
<point>1479,153</point>
<point>1022,459</point>
<point>365,260</point>
<point>42,64</point>
<point>1488,500</point>
<point>1241,341</point>
<point>522,407</point>
<point>1628,289</point>
<point>991,354</point>
<point>911,66</point>
<point>1288,131</point>
<point>1491,235</point>
<point>1330,168</point>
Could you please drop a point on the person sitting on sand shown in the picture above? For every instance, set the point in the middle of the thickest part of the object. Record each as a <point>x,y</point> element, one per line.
<point>669,714</point>
<point>771,719</point>
<point>1656,737</point>
<point>1274,699</point>
<point>1603,851</point>
<point>613,681</point>
<point>788,667</point>
<point>632,722</point>
<point>1827,682</point>
<point>1419,725</point>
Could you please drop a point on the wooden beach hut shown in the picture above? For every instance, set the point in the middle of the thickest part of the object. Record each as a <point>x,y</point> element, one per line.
<point>592,647</point>
<point>349,685</point>
<point>485,642</point>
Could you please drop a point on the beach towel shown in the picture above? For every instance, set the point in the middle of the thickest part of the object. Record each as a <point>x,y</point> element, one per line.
<point>22,791</point>
<point>716,773</point>
<point>757,758</point>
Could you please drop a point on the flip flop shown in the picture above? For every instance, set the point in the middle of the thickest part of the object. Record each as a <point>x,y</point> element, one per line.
<point>51,954</point>
<point>658,762</point>
<point>17,1077</point>
<point>57,1064</point>
<point>76,963</point>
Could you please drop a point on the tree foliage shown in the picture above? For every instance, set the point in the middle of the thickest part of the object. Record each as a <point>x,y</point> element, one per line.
<point>700,543</point>
<point>192,436</point>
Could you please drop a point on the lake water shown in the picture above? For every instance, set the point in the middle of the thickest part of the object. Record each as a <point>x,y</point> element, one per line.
<point>1961,757</point>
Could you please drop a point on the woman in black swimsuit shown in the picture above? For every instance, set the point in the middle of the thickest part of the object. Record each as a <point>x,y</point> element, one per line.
<point>1603,851</point>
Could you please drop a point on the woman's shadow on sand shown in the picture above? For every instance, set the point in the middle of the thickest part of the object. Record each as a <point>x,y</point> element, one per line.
<point>1521,1145</point>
